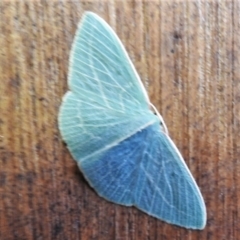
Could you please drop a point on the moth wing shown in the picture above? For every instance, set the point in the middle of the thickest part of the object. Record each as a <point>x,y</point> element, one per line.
<point>148,172</point>
<point>101,67</point>
<point>107,101</point>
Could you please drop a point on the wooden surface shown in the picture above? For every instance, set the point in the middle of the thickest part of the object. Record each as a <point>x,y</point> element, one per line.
<point>187,54</point>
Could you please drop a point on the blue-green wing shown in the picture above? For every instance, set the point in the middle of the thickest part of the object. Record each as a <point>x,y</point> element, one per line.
<point>107,101</point>
<point>147,171</point>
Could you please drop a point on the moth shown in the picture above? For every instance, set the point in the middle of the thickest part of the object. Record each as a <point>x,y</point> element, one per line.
<point>121,146</point>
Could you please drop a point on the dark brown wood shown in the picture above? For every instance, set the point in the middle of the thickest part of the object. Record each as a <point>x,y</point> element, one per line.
<point>187,54</point>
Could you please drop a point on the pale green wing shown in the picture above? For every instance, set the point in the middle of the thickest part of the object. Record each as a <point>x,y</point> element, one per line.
<point>101,69</point>
<point>107,102</point>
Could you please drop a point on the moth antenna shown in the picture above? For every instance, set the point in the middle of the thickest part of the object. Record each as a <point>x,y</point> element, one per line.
<point>160,118</point>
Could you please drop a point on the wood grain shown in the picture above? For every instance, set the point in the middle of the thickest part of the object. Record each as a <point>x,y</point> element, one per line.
<point>187,54</point>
